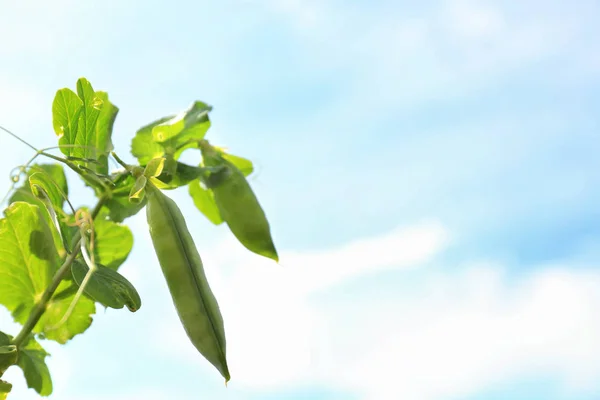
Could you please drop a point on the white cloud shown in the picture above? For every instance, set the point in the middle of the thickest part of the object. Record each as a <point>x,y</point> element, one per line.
<point>463,333</point>
<point>454,334</point>
<point>272,327</point>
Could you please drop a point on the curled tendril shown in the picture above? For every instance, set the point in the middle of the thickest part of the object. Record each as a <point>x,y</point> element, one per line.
<point>85,223</point>
<point>16,173</point>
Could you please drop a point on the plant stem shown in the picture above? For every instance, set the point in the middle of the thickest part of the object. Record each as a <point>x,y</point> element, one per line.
<point>18,138</point>
<point>123,163</point>
<point>62,272</point>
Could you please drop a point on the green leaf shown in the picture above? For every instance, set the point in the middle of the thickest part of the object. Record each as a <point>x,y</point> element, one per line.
<point>66,109</point>
<point>118,207</point>
<point>183,174</point>
<point>79,320</point>
<point>28,259</point>
<point>104,128</point>
<point>8,357</point>
<point>107,287</point>
<point>5,339</point>
<point>5,389</point>
<point>194,121</point>
<point>143,146</point>
<point>204,201</point>
<point>8,353</point>
<point>114,242</point>
<point>86,129</point>
<point>84,123</point>
<point>32,360</point>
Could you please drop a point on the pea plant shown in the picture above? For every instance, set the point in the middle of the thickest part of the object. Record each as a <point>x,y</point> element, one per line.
<point>58,262</point>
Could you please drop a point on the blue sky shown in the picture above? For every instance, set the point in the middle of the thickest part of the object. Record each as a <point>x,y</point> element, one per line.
<point>430,171</point>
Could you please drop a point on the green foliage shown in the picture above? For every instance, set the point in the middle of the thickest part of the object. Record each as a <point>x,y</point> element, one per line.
<point>8,353</point>
<point>104,128</point>
<point>114,241</point>
<point>66,110</point>
<point>143,147</point>
<point>56,264</point>
<point>189,124</point>
<point>5,389</point>
<point>117,206</point>
<point>84,123</point>
<point>32,360</point>
<point>28,260</point>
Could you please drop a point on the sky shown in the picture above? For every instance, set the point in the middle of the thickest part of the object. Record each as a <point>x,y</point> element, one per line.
<point>430,171</point>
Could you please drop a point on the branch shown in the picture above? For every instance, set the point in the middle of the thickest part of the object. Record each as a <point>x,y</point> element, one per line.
<point>62,272</point>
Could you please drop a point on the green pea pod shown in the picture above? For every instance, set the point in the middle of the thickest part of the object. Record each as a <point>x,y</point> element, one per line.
<point>239,206</point>
<point>182,267</point>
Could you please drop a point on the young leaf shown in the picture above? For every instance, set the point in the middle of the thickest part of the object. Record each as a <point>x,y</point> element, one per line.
<point>53,177</point>
<point>32,360</point>
<point>107,287</point>
<point>57,233</point>
<point>138,191</point>
<point>44,182</point>
<point>143,146</point>
<point>204,201</point>
<point>155,167</point>
<point>104,128</point>
<point>194,120</point>
<point>66,109</point>
<point>52,173</point>
<point>113,242</point>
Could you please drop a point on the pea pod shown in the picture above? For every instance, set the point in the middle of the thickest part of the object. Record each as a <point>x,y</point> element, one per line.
<point>182,267</point>
<point>239,206</point>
